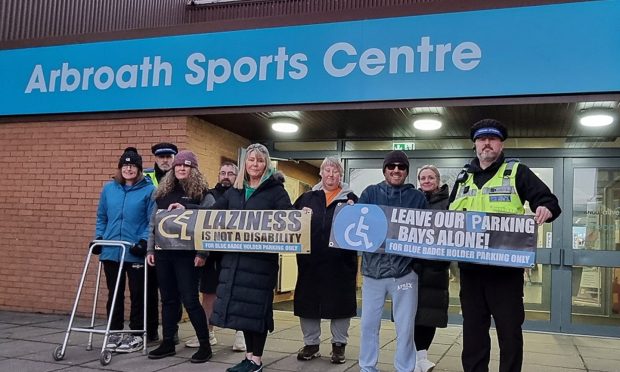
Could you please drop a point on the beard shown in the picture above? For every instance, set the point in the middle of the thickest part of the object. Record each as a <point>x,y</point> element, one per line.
<point>488,156</point>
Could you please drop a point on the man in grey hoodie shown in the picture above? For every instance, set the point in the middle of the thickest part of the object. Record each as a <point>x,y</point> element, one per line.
<point>390,274</point>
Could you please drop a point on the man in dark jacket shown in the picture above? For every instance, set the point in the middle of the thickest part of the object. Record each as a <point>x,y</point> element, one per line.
<point>494,184</point>
<point>390,274</point>
<point>164,153</point>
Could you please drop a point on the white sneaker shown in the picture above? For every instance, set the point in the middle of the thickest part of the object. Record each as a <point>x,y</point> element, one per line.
<point>114,341</point>
<point>239,344</point>
<point>425,365</point>
<point>130,344</point>
<point>212,339</point>
<point>192,342</point>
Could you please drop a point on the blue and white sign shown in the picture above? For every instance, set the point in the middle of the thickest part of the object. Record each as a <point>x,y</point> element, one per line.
<point>551,49</point>
<point>477,237</point>
<point>351,228</point>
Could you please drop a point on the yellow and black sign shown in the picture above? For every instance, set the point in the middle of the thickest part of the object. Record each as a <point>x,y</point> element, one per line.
<point>270,231</point>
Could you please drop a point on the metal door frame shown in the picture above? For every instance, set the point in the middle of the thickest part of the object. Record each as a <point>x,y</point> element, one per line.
<point>570,257</point>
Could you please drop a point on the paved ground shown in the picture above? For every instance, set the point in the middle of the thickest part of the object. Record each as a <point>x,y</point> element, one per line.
<point>28,340</point>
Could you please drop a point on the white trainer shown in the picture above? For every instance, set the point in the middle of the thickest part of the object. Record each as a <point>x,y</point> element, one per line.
<point>212,339</point>
<point>130,344</point>
<point>239,344</point>
<point>192,342</point>
<point>425,365</point>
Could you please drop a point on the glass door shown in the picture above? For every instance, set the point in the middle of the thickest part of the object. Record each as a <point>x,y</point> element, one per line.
<point>537,280</point>
<point>542,301</point>
<point>591,257</point>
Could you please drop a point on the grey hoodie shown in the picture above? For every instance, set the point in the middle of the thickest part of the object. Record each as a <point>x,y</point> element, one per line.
<point>382,265</point>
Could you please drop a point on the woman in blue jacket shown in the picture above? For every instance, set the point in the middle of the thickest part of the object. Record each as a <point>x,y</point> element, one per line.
<point>124,209</point>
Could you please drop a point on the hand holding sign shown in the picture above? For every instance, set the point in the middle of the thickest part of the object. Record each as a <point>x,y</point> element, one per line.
<point>486,238</point>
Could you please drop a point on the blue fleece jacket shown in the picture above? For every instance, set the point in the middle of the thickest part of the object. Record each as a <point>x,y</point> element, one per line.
<point>123,214</point>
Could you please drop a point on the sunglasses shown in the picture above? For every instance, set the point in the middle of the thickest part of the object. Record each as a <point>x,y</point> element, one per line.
<point>402,167</point>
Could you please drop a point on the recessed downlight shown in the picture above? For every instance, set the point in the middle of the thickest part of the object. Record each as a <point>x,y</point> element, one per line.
<point>427,122</point>
<point>285,125</point>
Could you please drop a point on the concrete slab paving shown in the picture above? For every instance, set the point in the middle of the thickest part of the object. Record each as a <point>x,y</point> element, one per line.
<point>28,366</point>
<point>590,352</point>
<point>29,340</point>
<point>19,348</point>
<point>27,318</point>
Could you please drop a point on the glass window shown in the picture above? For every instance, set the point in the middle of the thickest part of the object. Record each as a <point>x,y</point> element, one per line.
<point>596,209</point>
<point>306,146</point>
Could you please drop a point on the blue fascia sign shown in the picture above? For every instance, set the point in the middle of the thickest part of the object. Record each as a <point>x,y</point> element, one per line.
<point>541,50</point>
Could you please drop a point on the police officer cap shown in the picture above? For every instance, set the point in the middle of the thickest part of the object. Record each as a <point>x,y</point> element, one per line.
<point>488,127</point>
<point>164,148</point>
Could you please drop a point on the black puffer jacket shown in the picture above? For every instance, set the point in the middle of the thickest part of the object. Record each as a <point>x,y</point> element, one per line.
<point>433,295</point>
<point>244,293</point>
<point>326,277</point>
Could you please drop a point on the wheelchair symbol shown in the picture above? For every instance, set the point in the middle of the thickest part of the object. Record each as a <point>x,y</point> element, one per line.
<point>360,235</point>
<point>360,227</point>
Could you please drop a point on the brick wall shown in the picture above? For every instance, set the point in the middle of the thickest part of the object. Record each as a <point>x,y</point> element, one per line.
<point>301,171</point>
<point>54,172</point>
<point>211,143</point>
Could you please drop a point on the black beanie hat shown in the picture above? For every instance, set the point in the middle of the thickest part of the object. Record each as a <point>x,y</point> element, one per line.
<point>395,156</point>
<point>488,127</point>
<point>130,156</point>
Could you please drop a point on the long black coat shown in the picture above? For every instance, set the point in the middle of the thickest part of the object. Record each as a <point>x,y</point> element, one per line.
<point>244,293</point>
<point>433,294</point>
<point>326,277</point>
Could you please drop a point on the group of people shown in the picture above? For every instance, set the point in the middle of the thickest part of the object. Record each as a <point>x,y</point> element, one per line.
<point>238,287</point>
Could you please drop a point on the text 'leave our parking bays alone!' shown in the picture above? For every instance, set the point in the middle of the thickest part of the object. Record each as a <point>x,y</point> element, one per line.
<point>476,237</point>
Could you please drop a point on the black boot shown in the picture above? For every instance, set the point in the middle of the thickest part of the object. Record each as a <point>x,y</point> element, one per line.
<point>165,349</point>
<point>204,352</point>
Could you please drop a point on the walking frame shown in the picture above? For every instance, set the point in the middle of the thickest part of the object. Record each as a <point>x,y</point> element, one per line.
<point>106,355</point>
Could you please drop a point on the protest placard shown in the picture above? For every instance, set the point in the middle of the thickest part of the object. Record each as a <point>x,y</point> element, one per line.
<point>477,237</point>
<point>268,231</point>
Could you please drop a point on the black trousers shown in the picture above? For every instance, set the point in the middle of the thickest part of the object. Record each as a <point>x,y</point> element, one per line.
<point>134,274</point>
<point>255,342</point>
<point>178,282</point>
<point>492,292</point>
<point>152,303</point>
<point>423,336</point>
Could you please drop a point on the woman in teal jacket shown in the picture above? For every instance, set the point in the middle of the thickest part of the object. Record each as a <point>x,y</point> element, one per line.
<point>124,209</point>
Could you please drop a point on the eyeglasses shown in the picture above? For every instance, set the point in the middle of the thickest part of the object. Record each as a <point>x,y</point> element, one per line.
<point>129,166</point>
<point>229,174</point>
<point>402,167</point>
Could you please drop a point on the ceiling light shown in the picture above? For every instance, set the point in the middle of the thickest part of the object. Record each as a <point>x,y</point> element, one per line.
<point>596,117</point>
<point>285,125</point>
<point>427,122</point>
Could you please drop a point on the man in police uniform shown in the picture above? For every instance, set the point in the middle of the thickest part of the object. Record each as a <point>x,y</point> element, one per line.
<point>491,183</point>
<point>164,157</point>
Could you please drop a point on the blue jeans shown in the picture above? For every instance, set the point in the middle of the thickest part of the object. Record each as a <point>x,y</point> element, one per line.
<point>404,293</point>
<point>178,282</point>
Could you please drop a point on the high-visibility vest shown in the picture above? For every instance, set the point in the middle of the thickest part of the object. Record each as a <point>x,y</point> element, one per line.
<point>498,195</point>
<point>150,173</point>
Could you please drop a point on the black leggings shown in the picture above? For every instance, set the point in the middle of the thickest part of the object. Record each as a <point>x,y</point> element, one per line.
<point>255,342</point>
<point>423,337</point>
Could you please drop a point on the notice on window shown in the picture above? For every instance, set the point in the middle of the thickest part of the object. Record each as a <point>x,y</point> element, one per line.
<point>476,237</point>
<point>268,231</point>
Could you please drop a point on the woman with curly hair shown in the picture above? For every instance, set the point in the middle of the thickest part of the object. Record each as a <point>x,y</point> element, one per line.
<point>178,270</point>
